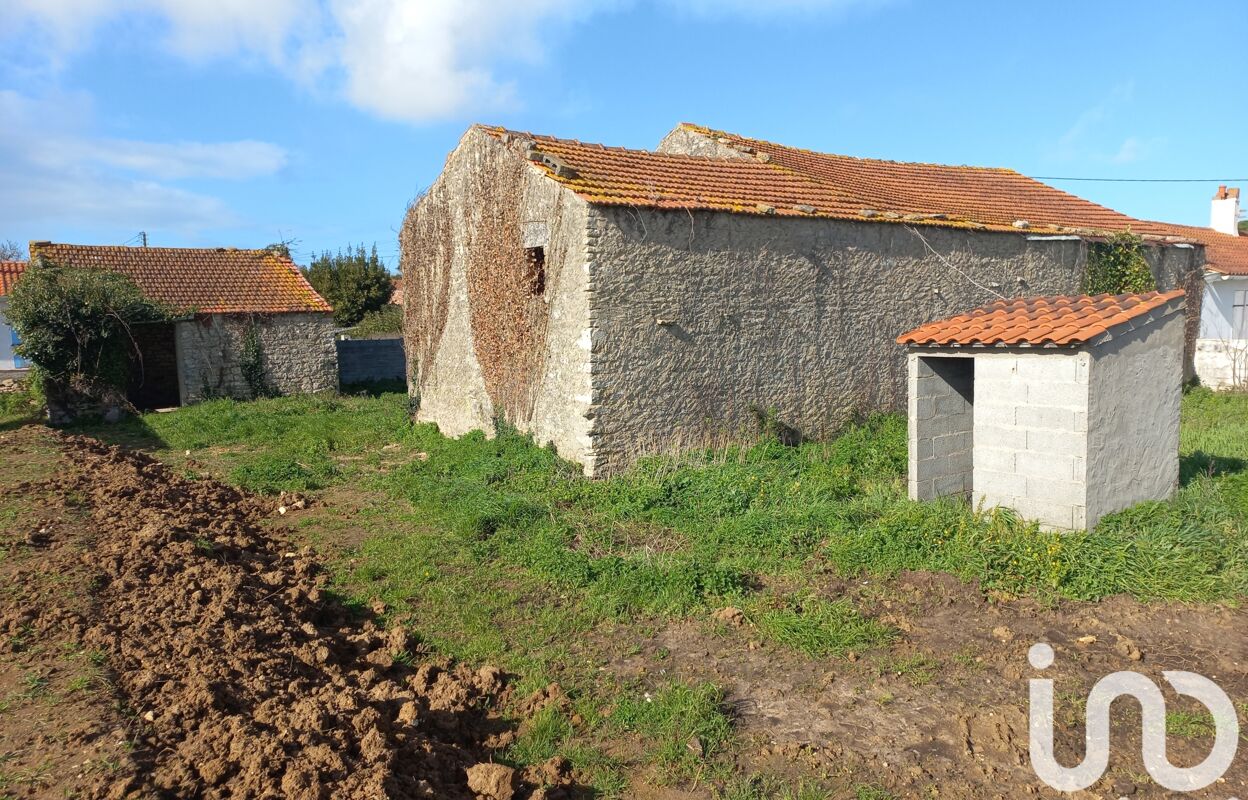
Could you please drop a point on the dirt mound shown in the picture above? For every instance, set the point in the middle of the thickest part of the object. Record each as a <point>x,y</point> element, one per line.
<point>246,677</point>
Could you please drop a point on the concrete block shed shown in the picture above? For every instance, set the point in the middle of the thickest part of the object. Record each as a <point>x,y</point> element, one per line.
<point>1063,408</point>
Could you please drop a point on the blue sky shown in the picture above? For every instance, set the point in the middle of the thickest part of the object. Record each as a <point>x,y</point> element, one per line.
<point>241,122</point>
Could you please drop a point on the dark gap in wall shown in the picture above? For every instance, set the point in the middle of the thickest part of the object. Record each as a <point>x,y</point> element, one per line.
<point>535,258</point>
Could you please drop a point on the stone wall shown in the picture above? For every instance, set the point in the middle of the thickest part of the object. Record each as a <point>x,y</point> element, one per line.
<point>490,332</point>
<point>703,320</point>
<point>297,352</point>
<point>1133,417</point>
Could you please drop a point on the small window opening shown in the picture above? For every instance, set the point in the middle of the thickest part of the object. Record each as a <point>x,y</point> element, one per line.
<point>1239,318</point>
<point>535,260</point>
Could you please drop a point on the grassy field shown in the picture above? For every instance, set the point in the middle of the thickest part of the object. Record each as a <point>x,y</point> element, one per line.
<point>495,550</point>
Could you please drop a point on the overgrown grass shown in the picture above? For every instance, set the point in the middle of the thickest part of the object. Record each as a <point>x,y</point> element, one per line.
<point>497,550</point>
<point>685,724</point>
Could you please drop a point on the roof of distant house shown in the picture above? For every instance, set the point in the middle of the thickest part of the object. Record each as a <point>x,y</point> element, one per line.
<point>1057,321</point>
<point>209,280</point>
<point>10,271</point>
<point>1224,253</point>
<point>772,179</point>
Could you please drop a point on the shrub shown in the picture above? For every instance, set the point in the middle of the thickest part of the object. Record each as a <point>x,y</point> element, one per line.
<point>75,327</point>
<point>353,281</point>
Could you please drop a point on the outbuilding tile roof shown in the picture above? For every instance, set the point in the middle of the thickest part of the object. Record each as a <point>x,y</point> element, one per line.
<point>776,180</point>
<point>10,271</point>
<point>208,280</point>
<point>1058,321</point>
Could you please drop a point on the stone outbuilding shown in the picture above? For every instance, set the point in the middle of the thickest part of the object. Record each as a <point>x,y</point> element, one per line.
<point>1063,408</point>
<point>620,302</point>
<point>236,306</point>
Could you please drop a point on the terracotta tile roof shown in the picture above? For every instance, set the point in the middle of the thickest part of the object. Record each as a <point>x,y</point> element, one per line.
<point>10,271</point>
<point>208,280</point>
<point>1223,253</point>
<point>784,181</point>
<point>1060,321</point>
<point>993,196</point>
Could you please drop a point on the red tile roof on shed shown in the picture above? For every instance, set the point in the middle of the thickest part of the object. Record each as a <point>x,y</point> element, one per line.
<point>783,181</point>
<point>10,271</point>
<point>1059,321</point>
<point>207,280</point>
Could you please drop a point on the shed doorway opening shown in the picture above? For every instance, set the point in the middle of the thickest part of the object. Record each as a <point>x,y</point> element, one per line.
<point>944,420</point>
<point>153,380</point>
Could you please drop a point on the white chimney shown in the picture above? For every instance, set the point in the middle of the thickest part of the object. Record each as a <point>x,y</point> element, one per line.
<point>1224,215</point>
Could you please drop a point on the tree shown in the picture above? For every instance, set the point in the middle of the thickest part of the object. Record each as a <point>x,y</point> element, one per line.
<point>11,251</point>
<point>1243,227</point>
<point>353,281</point>
<point>75,325</point>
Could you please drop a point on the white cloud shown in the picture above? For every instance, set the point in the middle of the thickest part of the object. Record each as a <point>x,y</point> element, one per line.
<point>56,172</point>
<point>412,60</point>
<point>1094,135</point>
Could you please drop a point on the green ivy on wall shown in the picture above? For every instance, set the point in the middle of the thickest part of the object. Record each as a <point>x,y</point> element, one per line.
<point>1117,266</point>
<point>251,362</point>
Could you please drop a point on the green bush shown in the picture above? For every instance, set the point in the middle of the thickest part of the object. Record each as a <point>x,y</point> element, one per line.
<point>386,320</point>
<point>75,324</point>
<point>353,281</point>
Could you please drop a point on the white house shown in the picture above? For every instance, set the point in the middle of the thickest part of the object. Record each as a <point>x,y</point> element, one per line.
<point>1064,409</point>
<point>1221,356</point>
<point>10,271</point>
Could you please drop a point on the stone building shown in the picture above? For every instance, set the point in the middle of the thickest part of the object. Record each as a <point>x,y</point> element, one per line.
<point>1063,408</point>
<point>620,302</point>
<point>237,307</point>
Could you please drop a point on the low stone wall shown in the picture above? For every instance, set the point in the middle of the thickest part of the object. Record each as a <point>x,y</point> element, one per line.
<point>369,360</point>
<point>296,350</point>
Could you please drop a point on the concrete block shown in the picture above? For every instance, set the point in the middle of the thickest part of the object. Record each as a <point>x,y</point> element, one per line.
<point>924,408</point>
<point>1055,442</point>
<point>951,443</point>
<point>1001,392</point>
<point>947,485</point>
<point>951,405</point>
<point>1030,416</point>
<point>1043,465</point>
<point>1052,515</point>
<point>995,459</point>
<point>1080,423</point>
<point>1056,491</point>
<point>945,425</point>
<point>995,368</point>
<point>1049,367</point>
<point>922,449</point>
<point>995,414</point>
<point>1000,436</point>
<point>922,490</point>
<point>993,484</point>
<point>1061,395</point>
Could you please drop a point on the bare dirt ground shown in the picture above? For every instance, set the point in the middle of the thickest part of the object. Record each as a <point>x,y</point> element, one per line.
<point>944,712</point>
<point>156,641</point>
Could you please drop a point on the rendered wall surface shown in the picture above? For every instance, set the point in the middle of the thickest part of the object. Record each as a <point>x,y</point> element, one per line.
<point>481,341</point>
<point>1133,418</point>
<point>1031,434</point>
<point>298,354</point>
<point>703,321</point>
